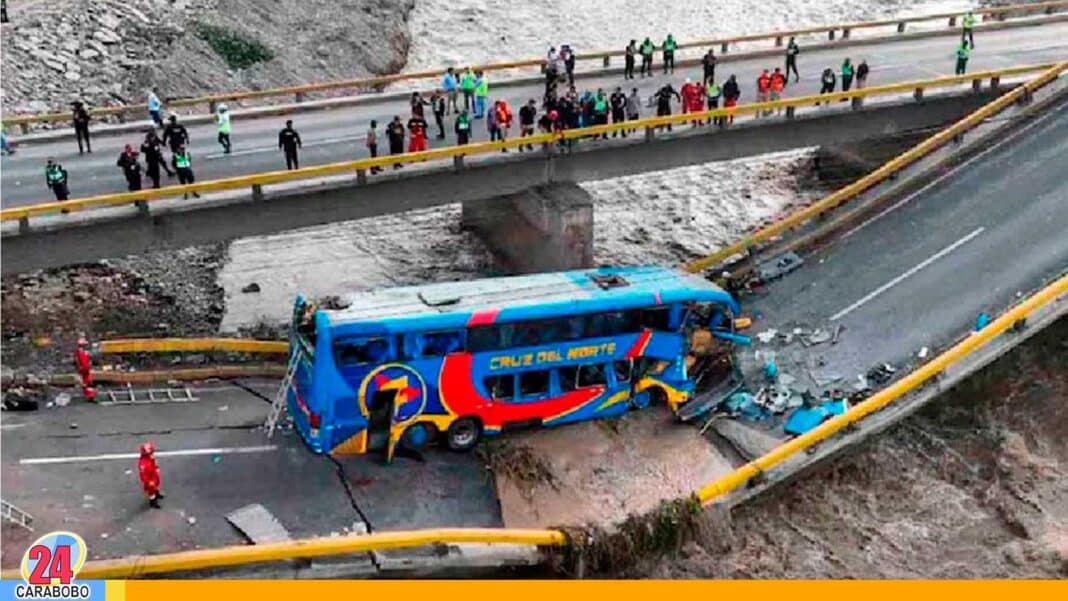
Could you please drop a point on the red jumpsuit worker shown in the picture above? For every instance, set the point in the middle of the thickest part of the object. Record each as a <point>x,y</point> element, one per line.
<point>149,473</point>
<point>778,84</point>
<point>83,363</point>
<point>763,87</point>
<point>417,140</point>
<point>693,98</point>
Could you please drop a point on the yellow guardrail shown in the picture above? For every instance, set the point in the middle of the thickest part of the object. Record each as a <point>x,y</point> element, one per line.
<point>867,182</point>
<point>915,379</point>
<point>997,12</point>
<point>483,148</point>
<point>192,345</point>
<point>132,567</point>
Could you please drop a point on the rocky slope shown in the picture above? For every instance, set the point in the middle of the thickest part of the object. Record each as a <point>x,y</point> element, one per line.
<point>111,51</point>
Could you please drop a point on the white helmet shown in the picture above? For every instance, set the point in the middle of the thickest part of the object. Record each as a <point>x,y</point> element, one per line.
<point>223,108</point>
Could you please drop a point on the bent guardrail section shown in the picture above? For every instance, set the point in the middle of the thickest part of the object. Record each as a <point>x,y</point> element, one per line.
<point>300,91</point>
<point>361,167</point>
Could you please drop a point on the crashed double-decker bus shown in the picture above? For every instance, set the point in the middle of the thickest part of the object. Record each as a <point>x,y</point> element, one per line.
<point>457,361</point>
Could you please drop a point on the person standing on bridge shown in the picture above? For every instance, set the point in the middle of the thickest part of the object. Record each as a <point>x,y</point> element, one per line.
<point>152,148</point>
<point>963,52</point>
<point>827,81</point>
<point>634,106</point>
<point>646,50</point>
<point>731,93</point>
<point>527,115</point>
<point>463,128</point>
<point>131,168</point>
<point>663,101</point>
<point>492,126</point>
<point>467,85</point>
<point>628,59</point>
<point>56,179</point>
<point>155,108</point>
<point>708,62</point>
<point>372,143</point>
<point>669,47</point>
<point>439,108</point>
<point>148,472</point>
<point>712,93</point>
<point>481,92</point>
<point>175,134</point>
<point>792,50</point>
<point>418,102</point>
<point>847,75</point>
<point>450,86</point>
<point>395,133</point>
<point>222,121</point>
<point>967,31</point>
<point>862,74</point>
<point>417,125</point>
<point>763,85</point>
<point>80,117</point>
<point>182,162</point>
<point>289,142</point>
<point>778,84</point>
<point>618,102</point>
<point>567,55</point>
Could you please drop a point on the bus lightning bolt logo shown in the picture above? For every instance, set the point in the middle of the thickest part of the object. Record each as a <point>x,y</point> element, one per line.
<point>407,397</point>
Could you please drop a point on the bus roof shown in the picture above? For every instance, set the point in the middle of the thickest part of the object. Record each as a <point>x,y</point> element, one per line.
<point>517,298</point>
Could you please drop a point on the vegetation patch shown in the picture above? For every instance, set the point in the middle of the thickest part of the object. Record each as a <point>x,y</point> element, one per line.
<point>237,49</point>
<point>519,463</point>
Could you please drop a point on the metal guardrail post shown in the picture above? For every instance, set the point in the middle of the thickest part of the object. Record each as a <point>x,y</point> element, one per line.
<point>857,103</point>
<point>845,33</point>
<point>791,112</point>
<point>299,97</point>
<point>901,27</point>
<point>24,225</point>
<point>24,128</point>
<point>650,134</point>
<point>544,68</point>
<point>995,83</point>
<point>918,94</point>
<point>122,117</point>
<point>257,192</point>
<point>830,35</point>
<point>724,47</point>
<point>977,85</point>
<point>458,162</point>
<point>607,61</point>
<point>142,207</point>
<point>778,41</point>
<point>953,21</point>
<point>211,107</point>
<point>361,177</point>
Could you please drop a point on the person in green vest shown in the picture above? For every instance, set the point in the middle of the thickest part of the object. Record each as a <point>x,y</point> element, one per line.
<point>481,91</point>
<point>463,128</point>
<point>600,110</point>
<point>646,50</point>
<point>56,179</point>
<point>467,86</point>
<point>967,28</point>
<point>222,120</point>
<point>963,52</point>
<point>182,162</point>
<point>712,94</point>
<point>847,74</point>
<point>669,47</point>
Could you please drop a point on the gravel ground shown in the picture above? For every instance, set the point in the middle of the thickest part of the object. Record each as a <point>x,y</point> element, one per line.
<point>974,486</point>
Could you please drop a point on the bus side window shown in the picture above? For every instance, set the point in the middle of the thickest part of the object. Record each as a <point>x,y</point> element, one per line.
<point>438,344</point>
<point>372,350</point>
<point>656,319</point>
<point>622,371</point>
<point>484,338</point>
<point>534,383</point>
<point>500,387</point>
<point>568,378</point>
<point>592,375</point>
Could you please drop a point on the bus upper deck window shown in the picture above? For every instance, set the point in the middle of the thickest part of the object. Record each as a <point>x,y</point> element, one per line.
<point>439,344</point>
<point>374,350</point>
<point>657,319</point>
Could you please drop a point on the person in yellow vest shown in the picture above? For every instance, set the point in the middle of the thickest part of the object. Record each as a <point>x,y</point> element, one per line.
<point>222,119</point>
<point>967,28</point>
<point>963,52</point>
<point>669,47</point>
<point>481,92</point>
<point>182,162</point>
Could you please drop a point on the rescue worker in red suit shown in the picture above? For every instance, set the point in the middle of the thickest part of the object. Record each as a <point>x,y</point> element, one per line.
<point>693,100</point>
<point>417,140</point>
<point>83,364</point>
<point>764,88</point>
<point>148,470</point>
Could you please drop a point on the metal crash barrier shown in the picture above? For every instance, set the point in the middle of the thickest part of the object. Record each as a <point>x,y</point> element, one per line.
<point>841,31</point>
<point>361,167</point>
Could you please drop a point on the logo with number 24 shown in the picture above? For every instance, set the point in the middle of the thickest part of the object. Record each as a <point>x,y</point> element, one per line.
<point>54,559</point>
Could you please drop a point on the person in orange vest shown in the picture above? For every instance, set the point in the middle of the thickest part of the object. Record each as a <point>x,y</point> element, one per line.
<point>763,87</point>
<point>148,471</point>
<point>504,120</point>
<point>417,140</point>
<point>778,83</point>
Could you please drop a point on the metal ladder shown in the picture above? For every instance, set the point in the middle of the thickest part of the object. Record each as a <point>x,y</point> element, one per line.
<point>128,396</point>
<point>15,515</point>
<point>278,407</point>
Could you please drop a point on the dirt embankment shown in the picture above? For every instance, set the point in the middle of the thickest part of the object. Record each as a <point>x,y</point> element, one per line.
<point>110,51</point>
<point>976,486</point>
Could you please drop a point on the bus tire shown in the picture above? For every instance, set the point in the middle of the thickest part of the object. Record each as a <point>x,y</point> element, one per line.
<point>657,397</point>
<point>463,434</point>
<point>417,436</point>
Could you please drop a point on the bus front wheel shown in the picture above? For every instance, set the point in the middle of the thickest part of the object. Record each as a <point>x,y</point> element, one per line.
<point>463,434</point>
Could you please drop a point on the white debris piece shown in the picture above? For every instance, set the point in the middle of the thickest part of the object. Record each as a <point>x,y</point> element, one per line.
<point>767,335</point>
<point>923,353</point>
<point>62,399</point>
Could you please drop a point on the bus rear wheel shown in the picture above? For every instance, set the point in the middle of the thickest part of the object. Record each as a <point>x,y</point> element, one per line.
<point>463,434</point>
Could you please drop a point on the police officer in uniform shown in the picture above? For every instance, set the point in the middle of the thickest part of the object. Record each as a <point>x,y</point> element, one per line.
<point>289,141</point>
<point>182,162</point>
<point>56,179</point>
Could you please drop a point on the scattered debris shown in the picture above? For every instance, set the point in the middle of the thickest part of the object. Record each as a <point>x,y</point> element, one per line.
<point>520,464</point>
<point>258,524</point>
<point>20,399</point>
<point>62,399</point>
<point>253,287</point>
<point>819,336</point>
<point>103,535</point>
<point>74,425</point>
<point>837,331</point>
<point>779,266</point>
<point>224,408</point>
<point>192,520</point>
<point>923,353</point>
<point>767,335</point>
<point>881,374</point>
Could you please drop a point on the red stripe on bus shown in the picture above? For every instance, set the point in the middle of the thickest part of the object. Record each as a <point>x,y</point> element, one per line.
<point>483,318</point>
<point>639,345</point>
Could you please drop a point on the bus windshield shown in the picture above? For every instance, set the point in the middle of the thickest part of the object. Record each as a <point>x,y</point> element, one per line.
<point>457,361</point>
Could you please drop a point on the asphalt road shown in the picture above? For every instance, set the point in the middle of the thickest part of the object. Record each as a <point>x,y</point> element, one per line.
<point>919,275</point>
<point>335,135</point>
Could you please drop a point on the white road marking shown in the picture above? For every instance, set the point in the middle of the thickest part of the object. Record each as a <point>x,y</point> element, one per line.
<point>261,149</point>
<point>10,426</point>
<point>938,255</point>
<point>185,452</point>
<point>955,170</point>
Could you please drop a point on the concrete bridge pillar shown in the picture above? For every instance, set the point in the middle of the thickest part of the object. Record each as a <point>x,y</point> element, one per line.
<point>547,228</point>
